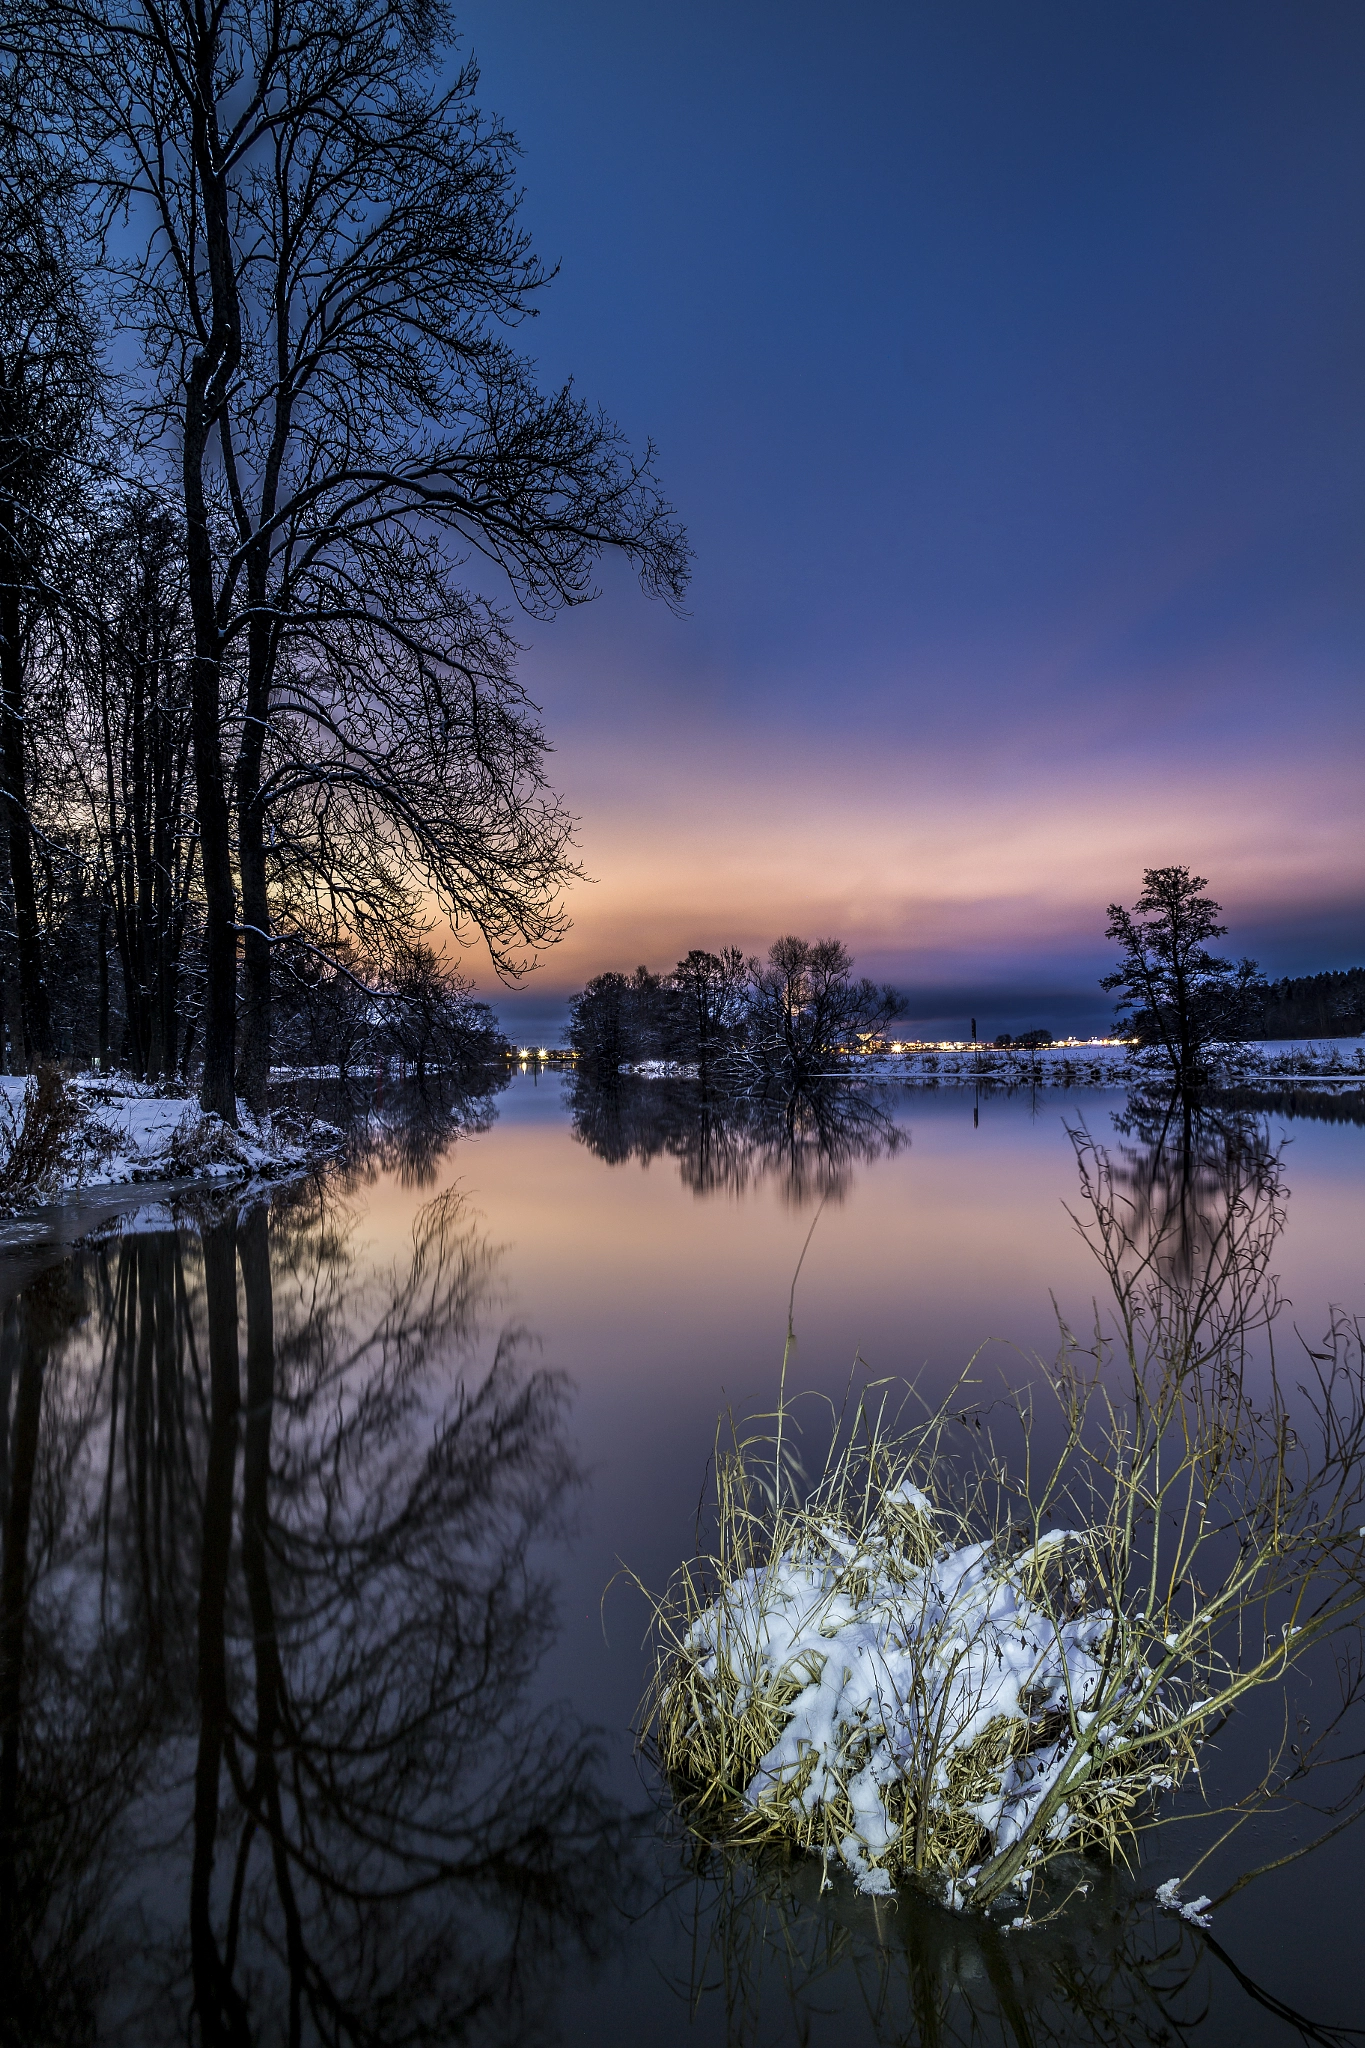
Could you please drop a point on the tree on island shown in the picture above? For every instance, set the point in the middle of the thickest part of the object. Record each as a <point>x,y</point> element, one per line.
<point>789,1017</point>
<point>712,995</point>
<point>806,1011</point>
<point>1174,996</point>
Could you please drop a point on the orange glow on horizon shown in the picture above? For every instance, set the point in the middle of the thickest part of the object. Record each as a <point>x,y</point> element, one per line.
<point>922,866</point>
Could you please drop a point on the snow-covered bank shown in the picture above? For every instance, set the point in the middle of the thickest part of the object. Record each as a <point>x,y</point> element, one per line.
<point>1053,1066</point>
<point>1318,1063</point>
<point>101,1132</point>
<point>1321,1063</point>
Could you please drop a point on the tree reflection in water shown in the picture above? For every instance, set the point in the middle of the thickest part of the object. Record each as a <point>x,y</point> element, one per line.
<point>763,1943</point>
<point>1187,1171</point>
<point>286,1597</point>
<point>269,1630</point>
<point>411,1133</point>
<point>809,1140</point>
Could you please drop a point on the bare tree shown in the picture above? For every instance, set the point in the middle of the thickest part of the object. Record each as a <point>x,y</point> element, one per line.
<point>332,262</point>
<point>49,390</point>
<point>807,1011</point>
<point>433,1019</point>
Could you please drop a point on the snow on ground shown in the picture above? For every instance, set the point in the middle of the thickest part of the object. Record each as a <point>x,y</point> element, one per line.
<point>1052,1065</point>
<point>1098,1063</point>
<point>1327,1063</point>
<point>132,1133</point>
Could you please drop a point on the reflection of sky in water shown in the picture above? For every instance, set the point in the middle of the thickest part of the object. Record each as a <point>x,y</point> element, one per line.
<point>664,1306</point>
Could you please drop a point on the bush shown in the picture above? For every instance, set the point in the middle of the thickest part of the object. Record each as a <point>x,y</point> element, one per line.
<point>43,1144</point>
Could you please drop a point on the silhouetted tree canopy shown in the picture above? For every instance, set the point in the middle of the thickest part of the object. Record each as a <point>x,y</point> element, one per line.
<point>315,297</point>
<point>797,1013</point>
<point>1174,996</point>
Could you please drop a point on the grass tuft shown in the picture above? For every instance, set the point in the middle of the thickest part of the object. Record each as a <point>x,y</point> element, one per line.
<point>938,1663</point>
<point>872,1676</point>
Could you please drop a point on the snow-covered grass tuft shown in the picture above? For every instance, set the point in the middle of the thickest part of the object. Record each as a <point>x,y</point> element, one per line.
<point>874,1689</point>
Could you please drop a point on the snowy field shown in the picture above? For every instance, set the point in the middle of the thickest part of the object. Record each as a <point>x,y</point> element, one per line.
<point>1326,1062</point>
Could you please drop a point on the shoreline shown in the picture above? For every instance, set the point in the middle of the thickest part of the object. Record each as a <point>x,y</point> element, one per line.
<point>1275,1066</point>
<point>35,1239</point>
<point>41,1233</point>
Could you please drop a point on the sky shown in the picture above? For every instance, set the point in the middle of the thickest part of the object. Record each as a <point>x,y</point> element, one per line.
<point>1005,363</point>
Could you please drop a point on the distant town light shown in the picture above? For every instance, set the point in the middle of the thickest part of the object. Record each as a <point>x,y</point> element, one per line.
<point>544,1052</point>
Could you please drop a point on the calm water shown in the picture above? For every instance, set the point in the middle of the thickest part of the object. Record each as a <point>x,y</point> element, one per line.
<point>324,1518</point>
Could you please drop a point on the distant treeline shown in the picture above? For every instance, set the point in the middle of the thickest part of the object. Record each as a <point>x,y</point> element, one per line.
<point>356,1015</point>
<point>794,1014</point>
<point>1316,1005</point>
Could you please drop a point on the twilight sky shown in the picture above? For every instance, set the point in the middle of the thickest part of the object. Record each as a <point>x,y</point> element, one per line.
<point>1006,361</point>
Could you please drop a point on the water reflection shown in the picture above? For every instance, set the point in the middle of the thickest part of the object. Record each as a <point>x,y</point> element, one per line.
<point>64,1730</point>
<point>1337,1106</point>
<point>270,1623</point>
<point>270,1626</point>
<point>808,1141</point>
<point>776,1956</point>
<point>403,1127</point>
<point>1188,1173</point>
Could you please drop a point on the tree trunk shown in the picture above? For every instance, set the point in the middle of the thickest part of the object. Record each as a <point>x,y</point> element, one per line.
<point>253,1072</point>
<point>217,1091</point>
<point>103,1023</point>
<point>254,1068</point>
<point>206,389</point>
<point>32,981</point>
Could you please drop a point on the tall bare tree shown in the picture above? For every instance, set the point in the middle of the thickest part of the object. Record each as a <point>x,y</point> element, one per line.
<point>49,393</point>
<point>133,759</point>
<point>327,260</point>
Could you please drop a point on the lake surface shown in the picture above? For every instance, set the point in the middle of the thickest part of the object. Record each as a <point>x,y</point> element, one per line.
<point>328,1520</point>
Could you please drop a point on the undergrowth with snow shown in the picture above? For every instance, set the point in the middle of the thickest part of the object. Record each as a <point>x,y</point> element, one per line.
<point>60,1136</point>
